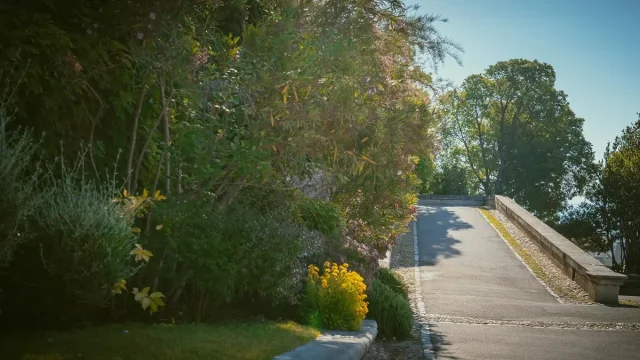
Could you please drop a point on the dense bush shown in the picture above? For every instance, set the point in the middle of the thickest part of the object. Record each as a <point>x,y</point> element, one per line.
<point>322,216</point>
<point>79,247</point>
<point>393,281</point>
<point>335,299</point>
<point>85,238</point>
<point>17,190</point>
<point>390,310</point>
<point>234,252</point>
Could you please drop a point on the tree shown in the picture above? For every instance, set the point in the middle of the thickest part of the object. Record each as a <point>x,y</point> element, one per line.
<point>621,185</point>
<point>610,216</point>
<point>451,179</point>
<point>518,135</point>
<point>579,224</point>
<point>425,171</point>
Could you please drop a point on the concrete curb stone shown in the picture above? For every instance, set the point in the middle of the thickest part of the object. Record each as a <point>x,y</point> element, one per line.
<point>336,345</point>
<point>425,334</point>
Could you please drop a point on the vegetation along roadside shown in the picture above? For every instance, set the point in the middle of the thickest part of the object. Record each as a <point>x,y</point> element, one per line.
<point>174,167</point>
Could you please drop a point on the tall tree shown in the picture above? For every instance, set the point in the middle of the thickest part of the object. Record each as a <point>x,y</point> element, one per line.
<point>621,184</point>
<point>610,216</point>
<point>519,136</point>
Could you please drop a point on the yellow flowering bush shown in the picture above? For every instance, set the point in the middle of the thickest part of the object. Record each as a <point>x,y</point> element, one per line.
<point>336,297</point>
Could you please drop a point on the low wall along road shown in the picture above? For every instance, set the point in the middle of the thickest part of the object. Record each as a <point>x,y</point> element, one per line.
<point>600,282</point>
<point>456,200</point>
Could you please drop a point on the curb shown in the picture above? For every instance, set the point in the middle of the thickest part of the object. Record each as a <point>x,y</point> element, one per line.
<point>425,335</point>
<point>336,345</point>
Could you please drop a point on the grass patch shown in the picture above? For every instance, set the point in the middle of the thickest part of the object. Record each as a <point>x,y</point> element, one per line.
<point>237,341</point>
<point>526,257</point>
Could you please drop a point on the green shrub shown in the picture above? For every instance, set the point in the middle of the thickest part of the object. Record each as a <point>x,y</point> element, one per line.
<point>390,310</point>
<point>393,281</point>
<point>235,253</point>
<point>323,216</point>
<point>80,247</point>
<point>17,190</point>
<point>85,237</point>
<point>335,298</point>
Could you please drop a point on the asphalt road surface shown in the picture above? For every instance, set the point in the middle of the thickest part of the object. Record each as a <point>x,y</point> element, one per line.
<point>470,276</point>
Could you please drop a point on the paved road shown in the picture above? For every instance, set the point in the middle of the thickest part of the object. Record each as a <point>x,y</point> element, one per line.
<point>470,275</point>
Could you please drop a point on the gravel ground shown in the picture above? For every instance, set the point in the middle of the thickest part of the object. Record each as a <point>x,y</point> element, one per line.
<point>568,290</point>
<point>402,262</point>
<point>433,318</point>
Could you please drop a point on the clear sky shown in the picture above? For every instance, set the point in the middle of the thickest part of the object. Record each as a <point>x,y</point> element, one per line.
<point>594,47</point>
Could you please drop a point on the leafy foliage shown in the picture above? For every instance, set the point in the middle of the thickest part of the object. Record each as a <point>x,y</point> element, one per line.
<point>231,254</point>
<point>141,254</point>
<point>425,172</point>
<point>390,310</point>
<point>609,218</point>
<point>219,107</point>
<point>322,216</point>
<point>452,178</point>
<point>152,301</point>
<point>518,135</point>
<point>80,246</point>
<point>17,190</point>
<point>336,296</point>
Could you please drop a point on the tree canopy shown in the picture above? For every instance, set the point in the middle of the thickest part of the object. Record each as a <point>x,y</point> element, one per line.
<point>610,217</point>
<point>517,135</point>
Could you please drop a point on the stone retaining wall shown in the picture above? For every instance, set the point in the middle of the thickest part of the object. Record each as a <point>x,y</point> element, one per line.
<point>456,200</point>
<point>600,282</point>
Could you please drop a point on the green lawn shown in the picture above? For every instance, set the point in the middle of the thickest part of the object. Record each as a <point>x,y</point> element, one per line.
<point>241,341</point>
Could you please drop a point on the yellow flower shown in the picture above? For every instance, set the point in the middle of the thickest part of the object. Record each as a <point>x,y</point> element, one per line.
<point>158,197</point>
<point>338,285</point>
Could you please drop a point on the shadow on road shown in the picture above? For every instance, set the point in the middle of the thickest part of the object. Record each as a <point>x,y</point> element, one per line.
<point>440,343</point>
<point>434,227</point>
<point>436,242</point>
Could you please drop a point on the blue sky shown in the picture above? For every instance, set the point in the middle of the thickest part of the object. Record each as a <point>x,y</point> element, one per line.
<point>594,47</point>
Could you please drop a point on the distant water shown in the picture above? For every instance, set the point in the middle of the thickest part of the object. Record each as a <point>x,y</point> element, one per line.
<point>605,257</point>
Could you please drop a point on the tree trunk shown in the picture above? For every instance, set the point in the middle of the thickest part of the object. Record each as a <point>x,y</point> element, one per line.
<point>167,139</point>
<point>132,143</point>
<point>147,142</point>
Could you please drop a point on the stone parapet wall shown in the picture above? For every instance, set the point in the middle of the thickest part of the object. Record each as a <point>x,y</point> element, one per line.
<point>455,200</point>
<point>600,282</point>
